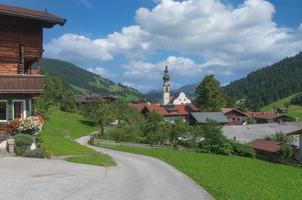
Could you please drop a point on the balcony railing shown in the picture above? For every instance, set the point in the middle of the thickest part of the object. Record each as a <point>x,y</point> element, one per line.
<point>21,84</point>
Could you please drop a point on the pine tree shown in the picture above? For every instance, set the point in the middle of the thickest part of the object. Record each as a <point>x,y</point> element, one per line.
<point>209,95</point>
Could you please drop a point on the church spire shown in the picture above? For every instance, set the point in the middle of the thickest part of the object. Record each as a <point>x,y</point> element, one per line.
<point>166,86</point>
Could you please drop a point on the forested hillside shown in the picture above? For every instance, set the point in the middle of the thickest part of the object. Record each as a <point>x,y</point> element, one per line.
<point>82,81</point>
<point>268,84</point>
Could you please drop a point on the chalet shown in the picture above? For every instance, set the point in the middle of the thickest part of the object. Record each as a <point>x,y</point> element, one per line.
<point>21,45</point>
<point>205,117</point>
<point>266,149</point>
<point>169,112</point>
<point>86,99</point>
<point>235,116</point>
<point>254,134</point>
<point>268,117</point>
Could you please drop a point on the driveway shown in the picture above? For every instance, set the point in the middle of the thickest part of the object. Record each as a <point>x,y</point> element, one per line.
<point>135,178</point>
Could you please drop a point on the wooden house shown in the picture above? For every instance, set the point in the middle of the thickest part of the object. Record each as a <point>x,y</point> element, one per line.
<point>21,45</point>
<point>235,116</point>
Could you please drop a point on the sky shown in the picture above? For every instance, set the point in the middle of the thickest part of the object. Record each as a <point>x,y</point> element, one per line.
<point>130,41</point>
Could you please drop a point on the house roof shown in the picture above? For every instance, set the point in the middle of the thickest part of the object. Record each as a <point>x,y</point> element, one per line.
<point>227,110</point>
<point>264,145</point>
<point>203,117</point>
<point>87,98</point>
<point>138,106</point>
<point>262,115</point>
<point>31,14</point>
<point>248,133</point>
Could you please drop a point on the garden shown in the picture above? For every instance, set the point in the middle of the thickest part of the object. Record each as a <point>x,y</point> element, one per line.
<point>25,133</point>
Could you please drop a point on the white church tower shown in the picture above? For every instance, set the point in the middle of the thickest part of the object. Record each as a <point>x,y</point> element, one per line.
<point>166,87</point>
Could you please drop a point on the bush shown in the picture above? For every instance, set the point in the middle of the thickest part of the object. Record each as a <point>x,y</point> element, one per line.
<point>37,153</point>
<point>242,150</point>
<point>23,143</point>
<point>214,141</point>
<point>127,133</point>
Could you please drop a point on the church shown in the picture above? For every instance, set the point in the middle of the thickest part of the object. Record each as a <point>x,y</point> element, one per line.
<point>181,99</point>
<point>178,108</point>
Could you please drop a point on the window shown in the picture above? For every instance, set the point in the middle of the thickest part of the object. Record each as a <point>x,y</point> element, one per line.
<point>19,110</point>
<point>3,110</point>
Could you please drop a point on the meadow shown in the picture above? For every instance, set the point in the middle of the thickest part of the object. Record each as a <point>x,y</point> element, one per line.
<point>59,132</point>
<point>231,177</point>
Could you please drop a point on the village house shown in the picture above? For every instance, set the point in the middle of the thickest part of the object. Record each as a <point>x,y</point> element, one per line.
<point>265,149</point>
<point>205,117</point>
<point>87,99</point>
<point>235,116</point>
<point>268,117</point>
<point>171,112</point>
<point>250,134</point>
<point>21,45</point>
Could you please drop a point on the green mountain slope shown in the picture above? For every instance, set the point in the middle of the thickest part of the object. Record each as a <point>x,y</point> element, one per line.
<point>269,84</point>
<point>84,82</point>
<point>293,110</point>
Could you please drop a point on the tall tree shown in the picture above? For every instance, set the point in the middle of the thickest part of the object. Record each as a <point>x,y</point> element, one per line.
<point>210,96</point>
<point>101,114</point>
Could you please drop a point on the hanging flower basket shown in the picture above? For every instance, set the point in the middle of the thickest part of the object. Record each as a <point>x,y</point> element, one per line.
<point>31,125</point>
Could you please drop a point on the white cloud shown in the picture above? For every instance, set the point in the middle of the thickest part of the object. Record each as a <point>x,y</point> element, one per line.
<point>102,72</point>
<point>87,4</point>
<point>178,66</point>
<point>229,39</point>
<point>234,36</point>
<point>131,41</point>
<point>77,47</point>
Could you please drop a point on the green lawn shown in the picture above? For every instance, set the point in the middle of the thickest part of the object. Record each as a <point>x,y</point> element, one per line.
<point>231,177</point>
<point>93,159</point>
<point>293,111</point>
<point>59,133</point>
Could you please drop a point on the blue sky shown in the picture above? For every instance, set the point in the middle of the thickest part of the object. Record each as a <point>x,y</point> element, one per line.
<point>130,41</point>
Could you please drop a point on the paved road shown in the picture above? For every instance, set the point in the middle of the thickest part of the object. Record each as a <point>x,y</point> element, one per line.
<point>135,178</point>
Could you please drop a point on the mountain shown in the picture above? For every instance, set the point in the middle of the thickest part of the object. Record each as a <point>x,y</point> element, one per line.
<point>268,84</point>
<point>85,82</point>
<point>259,88</point>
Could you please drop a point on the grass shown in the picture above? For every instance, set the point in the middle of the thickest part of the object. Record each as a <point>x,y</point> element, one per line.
<point>94,159</point>
<point>59,133</point>
<point>293,110</point>
<point>231,177</point>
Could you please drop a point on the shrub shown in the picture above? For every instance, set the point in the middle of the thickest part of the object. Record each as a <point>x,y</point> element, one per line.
<point>23,143</point>
<point>37,153</point>
<point>242,150</point>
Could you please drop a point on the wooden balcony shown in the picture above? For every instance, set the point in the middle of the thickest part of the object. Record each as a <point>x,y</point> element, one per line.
<point>21,84</point>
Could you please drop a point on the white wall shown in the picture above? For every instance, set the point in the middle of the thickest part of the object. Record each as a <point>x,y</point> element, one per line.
<point>181,99</point>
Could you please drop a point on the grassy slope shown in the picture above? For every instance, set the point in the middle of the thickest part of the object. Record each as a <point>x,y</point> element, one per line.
<point>229,177</point>
<point>293,111</point>
<point>58,138</point>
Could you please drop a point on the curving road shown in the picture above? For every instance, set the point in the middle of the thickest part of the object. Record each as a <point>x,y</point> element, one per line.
<point>135,178</point>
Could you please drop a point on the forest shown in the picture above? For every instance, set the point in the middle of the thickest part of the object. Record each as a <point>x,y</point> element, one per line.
<point>268,84</point>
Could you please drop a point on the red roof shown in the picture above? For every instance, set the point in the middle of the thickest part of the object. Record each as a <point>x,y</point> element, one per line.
<point>264,145</point>
<point>165,110</point>
<point>138,106</point>
<point>32,14</point>
<point>262,115</point>
<point>227,110</point>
